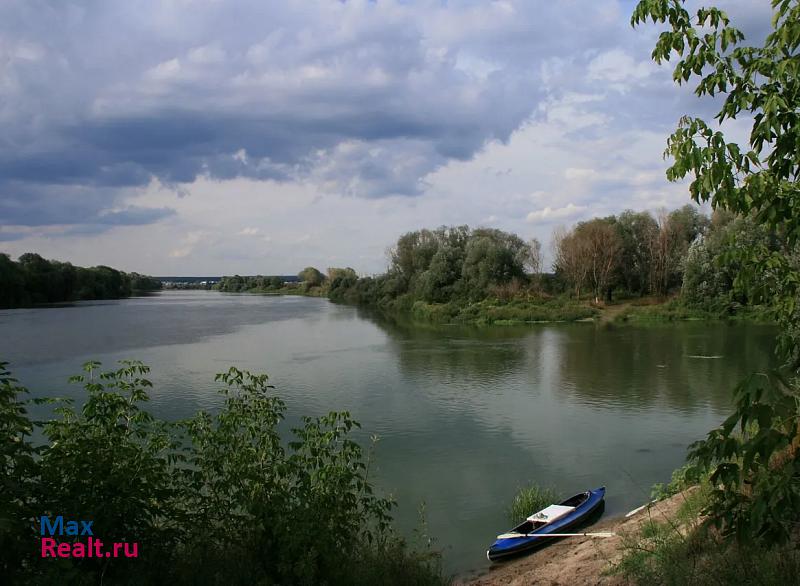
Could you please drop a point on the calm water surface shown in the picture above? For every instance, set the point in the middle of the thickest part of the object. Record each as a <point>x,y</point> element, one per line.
<point>465,415</point>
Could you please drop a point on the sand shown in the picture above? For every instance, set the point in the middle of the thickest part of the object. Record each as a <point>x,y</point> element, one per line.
<point>576,560</point>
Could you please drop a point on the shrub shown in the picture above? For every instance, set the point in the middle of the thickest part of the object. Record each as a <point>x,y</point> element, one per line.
<point>217,499</point>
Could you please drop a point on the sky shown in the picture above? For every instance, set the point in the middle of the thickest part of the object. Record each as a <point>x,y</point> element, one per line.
<point>205,137</point>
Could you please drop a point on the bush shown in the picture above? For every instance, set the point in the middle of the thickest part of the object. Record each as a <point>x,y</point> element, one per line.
<point>660,554</point>
<point>217,499</point>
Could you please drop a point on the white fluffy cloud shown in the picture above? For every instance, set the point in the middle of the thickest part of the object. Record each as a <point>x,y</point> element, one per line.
<point>549,214</point>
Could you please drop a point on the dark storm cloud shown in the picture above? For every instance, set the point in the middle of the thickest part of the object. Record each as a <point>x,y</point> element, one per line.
<point>360,98</point>
<point>105,96</point>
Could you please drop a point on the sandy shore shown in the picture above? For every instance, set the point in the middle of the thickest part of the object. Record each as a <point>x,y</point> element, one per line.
<point>575,560</point>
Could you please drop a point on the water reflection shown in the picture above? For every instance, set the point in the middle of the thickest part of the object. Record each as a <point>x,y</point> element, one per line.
<point>680,366</point>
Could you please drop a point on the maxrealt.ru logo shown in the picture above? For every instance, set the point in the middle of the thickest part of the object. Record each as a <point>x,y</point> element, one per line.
<point>72,548</point>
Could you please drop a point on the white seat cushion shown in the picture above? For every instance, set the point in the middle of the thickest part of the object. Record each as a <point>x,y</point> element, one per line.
<point>551,513</point>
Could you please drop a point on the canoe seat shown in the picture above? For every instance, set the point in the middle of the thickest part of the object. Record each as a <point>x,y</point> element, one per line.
<point>550,514</point>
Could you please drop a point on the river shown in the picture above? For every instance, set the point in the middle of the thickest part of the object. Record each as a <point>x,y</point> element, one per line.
<point>465,415</point>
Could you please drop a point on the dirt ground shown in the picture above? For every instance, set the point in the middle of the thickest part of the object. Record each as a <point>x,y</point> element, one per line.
<point>575,560</point>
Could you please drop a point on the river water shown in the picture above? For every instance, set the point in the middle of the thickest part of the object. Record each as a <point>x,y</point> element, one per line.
<point>465,415</point>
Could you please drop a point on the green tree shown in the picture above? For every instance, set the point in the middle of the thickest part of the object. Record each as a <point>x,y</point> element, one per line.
<point>33,279</point>
<point>12,283</point>
<point>311,277</point>
<point>636,230</point>
<point>492,257</point>
<point>711,266</point>
<point>602,246</point>
<point>755,454</point>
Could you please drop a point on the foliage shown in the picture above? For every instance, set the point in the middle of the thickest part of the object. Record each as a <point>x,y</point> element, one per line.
<point>258,283</point>
<point>602,246</point>
<point>637,231</point>
<point>492,257</point>
<point>634,251</point>
<point>671,310</point>
<point>668,249</point>
<point>530,499</point>
<point>18,474</point>
<point>316,285</point>
<point>111,462</point>
<point>754,454</point>
<point>756,470</point>
<point>33,279</point>
<point>311,277</point>
<point>711,266</point>
<point>677,548</point>
<point>447,265</point>
<point>663,553</point>
<point>682,478</point>
<point>218,499</point>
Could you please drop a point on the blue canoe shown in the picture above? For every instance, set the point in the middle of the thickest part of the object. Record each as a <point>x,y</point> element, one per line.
<point>565,516</point>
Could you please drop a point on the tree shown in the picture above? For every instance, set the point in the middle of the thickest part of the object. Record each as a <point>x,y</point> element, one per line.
<point>688,223</point>
<point>311,277</point>
<point>12,283</point>
<point>534,263</point>
<point>440,282</point>
<point>754,455</point>
<point>600,247</point>
<point>664,254</point>
<point>334,273</point>
<point>412,254</point>
<point>569,258</point>
<point>492,257</point>
<point>711,267</point>
<point>636,230</point>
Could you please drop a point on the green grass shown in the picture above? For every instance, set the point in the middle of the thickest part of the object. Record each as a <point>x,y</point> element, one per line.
<point>661,555</point>
<point>677,310</point>
<point>529,500</point>
<point>685,550</point>
<point>496,312</point>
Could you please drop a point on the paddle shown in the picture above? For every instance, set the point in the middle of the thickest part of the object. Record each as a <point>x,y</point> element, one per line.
<point>597,534</point>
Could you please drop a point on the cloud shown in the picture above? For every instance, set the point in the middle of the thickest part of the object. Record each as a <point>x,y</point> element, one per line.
<point>549,214</point>
<point>619,69</point>
<point>112,97</point>
<point>173,136</point>
<point>190,241</point>
<point>133,216</point>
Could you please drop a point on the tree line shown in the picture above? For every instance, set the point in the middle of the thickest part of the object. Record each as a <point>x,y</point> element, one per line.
<point>681,252</point>
<point>445,264</point>
<point>634,253</point>
<point>309,279</point>
<point>32,279</point>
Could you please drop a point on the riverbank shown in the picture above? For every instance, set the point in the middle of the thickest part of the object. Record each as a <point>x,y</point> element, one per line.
<point>532,310</point>
<point>666,542</point>
<point>298,290</point>
<point>580,560</point>
<point>648,310</point>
